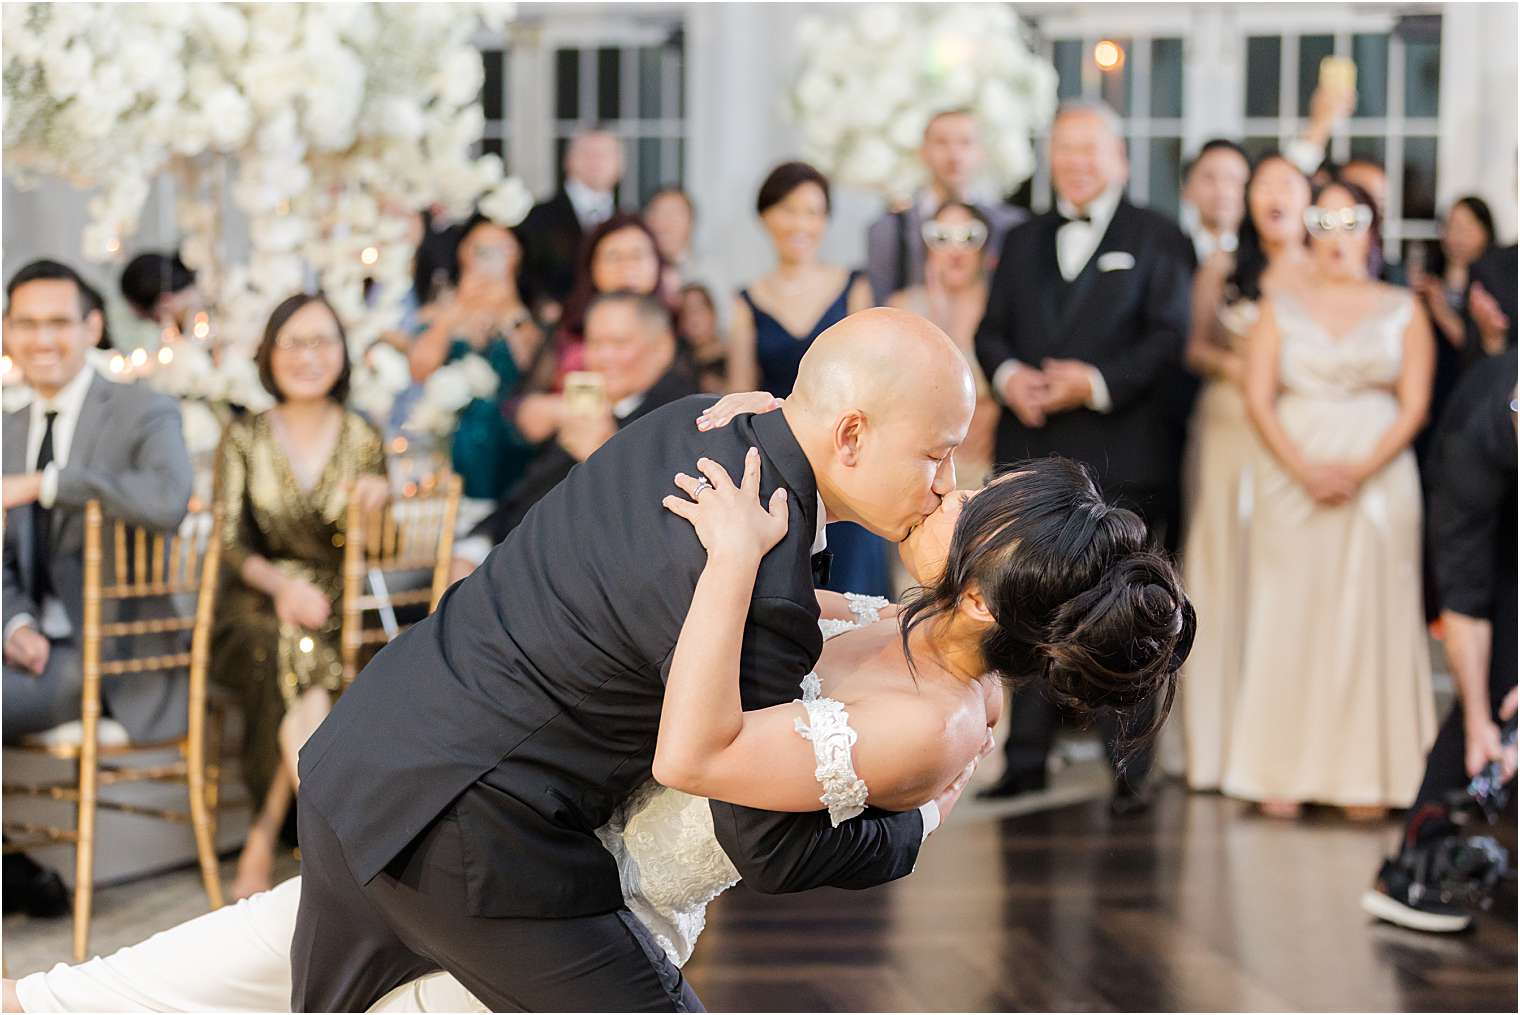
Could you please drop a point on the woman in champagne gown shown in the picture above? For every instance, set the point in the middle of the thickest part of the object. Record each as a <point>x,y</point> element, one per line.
<point>1222,446</point>
<point>898,708</point>
<point>1335,702</point>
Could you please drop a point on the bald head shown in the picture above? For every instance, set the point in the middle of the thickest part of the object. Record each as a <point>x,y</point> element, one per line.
<point>880,359</point>
<point>882,400</point>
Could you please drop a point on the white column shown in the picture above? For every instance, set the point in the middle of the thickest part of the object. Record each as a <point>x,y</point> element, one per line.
<point>1477,147</point>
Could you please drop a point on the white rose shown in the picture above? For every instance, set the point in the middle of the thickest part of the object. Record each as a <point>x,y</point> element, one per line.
<point>869,163</point>
<point>228,117</point>
<point>67,70</point>
<point>448,388</point>
<point>460,75</point>
<point>878,24</point>
<point>481,378</point>
<point>389,367</point>
<point>202,430</point>
<point>509,203</point>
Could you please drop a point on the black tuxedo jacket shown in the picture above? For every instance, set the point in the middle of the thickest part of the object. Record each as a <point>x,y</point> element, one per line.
<point>551,237</point>
<point>1129,322</point>
<point>553,463</point>
<point>525,708</point>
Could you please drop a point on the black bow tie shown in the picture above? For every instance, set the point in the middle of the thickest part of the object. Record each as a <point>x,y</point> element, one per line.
<point>1080,217</point>
<point>823,562</point>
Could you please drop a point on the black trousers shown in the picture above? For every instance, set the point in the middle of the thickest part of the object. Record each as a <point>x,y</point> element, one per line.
<point>353,943</point>
<point>1032,723</point>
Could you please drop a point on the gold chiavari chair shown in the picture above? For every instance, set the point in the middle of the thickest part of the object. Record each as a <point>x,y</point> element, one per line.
<point>143,576</point>
<point>409,534</point>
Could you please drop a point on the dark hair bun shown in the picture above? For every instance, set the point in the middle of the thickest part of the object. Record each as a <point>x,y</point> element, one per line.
<point>1118,645</point>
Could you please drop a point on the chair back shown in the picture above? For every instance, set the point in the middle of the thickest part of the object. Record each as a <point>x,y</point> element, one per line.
<point>383,553</point>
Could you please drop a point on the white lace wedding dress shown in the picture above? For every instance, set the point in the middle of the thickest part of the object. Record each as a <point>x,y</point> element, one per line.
<point>669,860</point>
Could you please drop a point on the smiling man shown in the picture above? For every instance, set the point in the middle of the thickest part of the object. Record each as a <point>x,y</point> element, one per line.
<point>82,438</point>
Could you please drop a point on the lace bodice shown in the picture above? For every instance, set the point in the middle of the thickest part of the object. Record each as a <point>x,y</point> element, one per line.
<point>668,857</point>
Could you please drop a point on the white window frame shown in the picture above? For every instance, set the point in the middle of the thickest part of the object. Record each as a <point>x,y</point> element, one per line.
<point>533,127</point>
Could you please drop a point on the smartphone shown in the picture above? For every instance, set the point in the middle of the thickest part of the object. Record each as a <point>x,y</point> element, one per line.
<point>1338,73</point>
<point>585,393</point>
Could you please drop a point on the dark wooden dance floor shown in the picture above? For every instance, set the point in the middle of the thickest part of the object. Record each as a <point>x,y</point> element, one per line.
<point>1199,905</point>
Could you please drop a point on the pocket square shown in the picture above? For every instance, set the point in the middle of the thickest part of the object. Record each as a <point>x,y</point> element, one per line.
<point>1116,260</point>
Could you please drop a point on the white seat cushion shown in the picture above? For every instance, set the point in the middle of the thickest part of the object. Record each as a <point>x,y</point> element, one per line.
<point>108,733</point>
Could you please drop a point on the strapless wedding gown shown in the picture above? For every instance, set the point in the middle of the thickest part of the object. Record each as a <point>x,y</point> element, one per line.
<point>670,863</point>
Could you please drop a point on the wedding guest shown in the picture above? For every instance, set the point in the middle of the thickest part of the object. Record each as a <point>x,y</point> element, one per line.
<point>1088,308</point>
<point>436,260</point>
<point>1220,480</point>
<point>778,316</point>
<point>1213,196</point>
<point>1441,285</point>
<point>697,323</point>
<point>553,231</point>
<point>953,296</point>
<point>1335,703</point>
<point>483,314</point>
<point>284,481</point>
<point>670,215</point>
<point>631,345</point>
<point>82,438</point>
<point>953,158</point>
<point>159,288</point>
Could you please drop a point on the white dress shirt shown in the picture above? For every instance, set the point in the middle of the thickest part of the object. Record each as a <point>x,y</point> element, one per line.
<point>68,404</point>
<point>592,207</point>
<point>1076,242</point>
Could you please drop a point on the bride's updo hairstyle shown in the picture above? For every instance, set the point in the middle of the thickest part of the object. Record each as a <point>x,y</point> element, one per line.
<point>1084,606</point>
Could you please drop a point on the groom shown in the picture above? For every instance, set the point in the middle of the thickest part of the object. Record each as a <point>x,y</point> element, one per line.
<point>448,805</point>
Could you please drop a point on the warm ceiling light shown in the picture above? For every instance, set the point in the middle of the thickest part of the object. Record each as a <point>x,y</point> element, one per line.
<point>1108,55</point>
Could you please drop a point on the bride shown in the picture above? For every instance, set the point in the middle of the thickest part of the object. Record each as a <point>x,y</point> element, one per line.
<point>1031,578</point>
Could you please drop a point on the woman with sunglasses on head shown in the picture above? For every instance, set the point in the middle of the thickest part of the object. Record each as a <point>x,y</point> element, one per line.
<point>954,296</point>
<point>1335,704</point>
<point>1218,482</point>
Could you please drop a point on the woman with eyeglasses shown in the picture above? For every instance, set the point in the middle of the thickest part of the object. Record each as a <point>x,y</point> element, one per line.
<point>284,481</point>
<point>954,296</point>
<point>1218,478</point>
<point>1335,702</point>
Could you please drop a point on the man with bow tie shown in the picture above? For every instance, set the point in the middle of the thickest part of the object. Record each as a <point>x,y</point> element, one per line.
<point>1087,312</point>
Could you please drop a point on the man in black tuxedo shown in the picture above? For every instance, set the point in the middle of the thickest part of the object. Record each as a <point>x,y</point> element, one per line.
<point>631,344</point>
<point>551,234</point>
<point>449,803</point>
<point>1087,313</point>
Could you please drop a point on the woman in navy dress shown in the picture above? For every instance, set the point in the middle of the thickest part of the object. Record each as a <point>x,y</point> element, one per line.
<point>778,316</point>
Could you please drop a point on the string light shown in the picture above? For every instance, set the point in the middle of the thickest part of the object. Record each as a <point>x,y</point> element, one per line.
<point>1108,55</point>
<point>202,326</point>
<point>118,363</point>
<point>398,446</point>
<point>370,255</point>
<point>166,355</point>
<point>139,357</point>
<point>113,245</point>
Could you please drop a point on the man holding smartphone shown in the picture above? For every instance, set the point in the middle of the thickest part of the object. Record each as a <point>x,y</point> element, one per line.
<point>631,353</point>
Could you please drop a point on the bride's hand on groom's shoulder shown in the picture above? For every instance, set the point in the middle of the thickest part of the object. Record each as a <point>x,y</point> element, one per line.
<point>722,412</point>
<point>732,523</point>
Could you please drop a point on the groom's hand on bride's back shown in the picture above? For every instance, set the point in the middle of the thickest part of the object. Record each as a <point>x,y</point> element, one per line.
<point>947,799</point>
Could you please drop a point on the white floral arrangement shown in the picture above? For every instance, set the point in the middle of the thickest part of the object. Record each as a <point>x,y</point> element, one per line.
<point>448,390</point>
<point>326,125</point>
<point>872,77</point>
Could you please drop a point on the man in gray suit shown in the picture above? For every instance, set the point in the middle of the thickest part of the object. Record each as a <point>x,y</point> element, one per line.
<point>953,156</point>
<point>83,438</point>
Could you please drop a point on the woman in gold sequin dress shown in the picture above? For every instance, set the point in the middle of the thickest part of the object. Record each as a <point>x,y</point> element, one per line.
<point>284,481</point>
